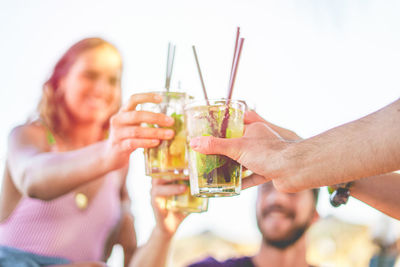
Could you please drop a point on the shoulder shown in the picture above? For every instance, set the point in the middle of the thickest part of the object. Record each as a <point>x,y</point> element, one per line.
<point>239,262</point>
<point>28,134</point>
<point>234,262</point>
<point>28,128</point>
<point>210,261</point>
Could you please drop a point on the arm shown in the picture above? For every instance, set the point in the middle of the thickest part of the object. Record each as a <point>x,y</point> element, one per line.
<point>35,169</point>
<point>40,173</point>
<point>362,148</point>
<point>366,147</point>
<point>154,253</point>
<point>380,192</point>
<point>127,234</point>
<point>124,234</point>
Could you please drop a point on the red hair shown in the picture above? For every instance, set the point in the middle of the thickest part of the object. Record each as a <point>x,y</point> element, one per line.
<point>51,107</point>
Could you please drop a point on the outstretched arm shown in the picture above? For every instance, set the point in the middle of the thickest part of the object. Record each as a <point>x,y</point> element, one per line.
<point>380,192</point>
<point>41,173</point>
<point>362,148</point>
<point>155,252</point>
<point>366,147</point>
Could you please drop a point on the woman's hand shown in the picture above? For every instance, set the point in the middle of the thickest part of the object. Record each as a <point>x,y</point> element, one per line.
<point>167,222</point>
<point>127,134</point>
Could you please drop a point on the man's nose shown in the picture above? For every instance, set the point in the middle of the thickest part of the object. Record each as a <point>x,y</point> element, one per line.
<point>274,197</point>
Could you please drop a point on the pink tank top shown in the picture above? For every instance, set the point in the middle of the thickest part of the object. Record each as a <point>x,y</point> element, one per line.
<point>58,228</point>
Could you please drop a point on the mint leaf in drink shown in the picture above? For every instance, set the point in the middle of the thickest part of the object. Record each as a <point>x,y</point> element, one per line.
<point>208,163</point>
<point>178,124</point>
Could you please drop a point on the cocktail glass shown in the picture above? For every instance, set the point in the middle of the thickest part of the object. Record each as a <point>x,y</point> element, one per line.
<point>169,159</point>
<point>214,175</point>
<point>186,202</point>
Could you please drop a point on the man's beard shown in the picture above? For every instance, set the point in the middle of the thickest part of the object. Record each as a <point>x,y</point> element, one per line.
<point>295,234</point>
<point>291,237</point>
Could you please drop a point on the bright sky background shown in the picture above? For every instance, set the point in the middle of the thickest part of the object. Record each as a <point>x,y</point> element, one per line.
<point>308,65</point>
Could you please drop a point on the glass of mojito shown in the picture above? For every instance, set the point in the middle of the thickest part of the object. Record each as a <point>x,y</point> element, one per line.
<point>169,159</point>
<point>214,175</point>
<point>186,202</point>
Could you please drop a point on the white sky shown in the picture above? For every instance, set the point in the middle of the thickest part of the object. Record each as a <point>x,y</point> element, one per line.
<point>306,65</point>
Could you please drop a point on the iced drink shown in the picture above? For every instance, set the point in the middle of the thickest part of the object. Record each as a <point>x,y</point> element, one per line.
<point>214,175</point>
<point>186,202</point>
<point>169,159</point>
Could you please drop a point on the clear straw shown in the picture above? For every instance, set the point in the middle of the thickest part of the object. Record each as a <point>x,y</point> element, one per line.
<point>235,68</point>
<point>167,68</point>
<point>200,75</point>
<point>170,65</point>
<point>235,63</point>
<point>236,45</point>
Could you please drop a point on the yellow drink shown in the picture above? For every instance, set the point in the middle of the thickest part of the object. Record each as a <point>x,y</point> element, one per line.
<point>186,202</point>
<point>214,175</point>
<point>168,160</point>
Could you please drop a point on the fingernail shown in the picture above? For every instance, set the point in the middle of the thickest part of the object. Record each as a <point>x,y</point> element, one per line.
<point>169,133</point>
<point>194,143</point>
<point>157,97</point>
<point>169,120</point>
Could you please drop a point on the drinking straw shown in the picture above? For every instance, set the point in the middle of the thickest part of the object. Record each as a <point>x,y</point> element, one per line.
<point>167,68</point>
<point>234,68</point>
<point>168,74</point>
<point>200,75</point>
<point>212,117</point>
<point>236,44</point>
<point>170,65</point>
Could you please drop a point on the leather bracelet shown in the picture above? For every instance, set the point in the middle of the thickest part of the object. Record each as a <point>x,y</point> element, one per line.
<point>339,194</point>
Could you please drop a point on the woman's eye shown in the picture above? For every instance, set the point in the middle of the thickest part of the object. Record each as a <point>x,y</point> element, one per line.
<point>113,81</point>
<point>90,75</point>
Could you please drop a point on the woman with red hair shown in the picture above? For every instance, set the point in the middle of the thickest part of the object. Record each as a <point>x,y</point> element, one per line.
<point>64,198</point>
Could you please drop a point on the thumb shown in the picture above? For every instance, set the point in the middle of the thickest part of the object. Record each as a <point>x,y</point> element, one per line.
<point>229,147</point>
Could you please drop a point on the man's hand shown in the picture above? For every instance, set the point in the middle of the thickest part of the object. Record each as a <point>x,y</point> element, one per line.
<point>166,221</point>
<point>256,150</point>
<point>259,150</point>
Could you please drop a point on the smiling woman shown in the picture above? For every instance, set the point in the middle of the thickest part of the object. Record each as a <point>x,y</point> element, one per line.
<point>64,198</point>
<point>45,191</point>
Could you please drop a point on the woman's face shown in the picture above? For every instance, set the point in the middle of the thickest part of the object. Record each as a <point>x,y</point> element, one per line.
<point>92,87</point>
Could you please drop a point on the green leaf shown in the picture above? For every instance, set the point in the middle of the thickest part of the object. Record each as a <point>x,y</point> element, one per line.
<point>330,189</point>
<point>178,124</point>
<point>208,163</point>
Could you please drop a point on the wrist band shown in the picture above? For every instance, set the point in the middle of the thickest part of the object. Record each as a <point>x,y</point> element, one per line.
<point>339,194</point>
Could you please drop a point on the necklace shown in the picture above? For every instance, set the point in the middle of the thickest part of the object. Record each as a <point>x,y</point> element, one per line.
<point>81,201</point>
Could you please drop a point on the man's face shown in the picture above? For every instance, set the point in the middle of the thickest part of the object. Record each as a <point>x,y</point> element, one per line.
<point>283,217</point>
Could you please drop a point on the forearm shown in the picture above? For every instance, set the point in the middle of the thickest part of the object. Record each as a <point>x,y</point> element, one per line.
<point>380,192</point>
<point>155,252</point>
<point>367,147</point>
<point>52,174</point>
